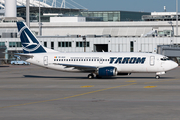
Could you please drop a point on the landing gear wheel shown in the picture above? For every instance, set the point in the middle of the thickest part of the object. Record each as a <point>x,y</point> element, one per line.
<point>157,76</point>
<point>90,76</point>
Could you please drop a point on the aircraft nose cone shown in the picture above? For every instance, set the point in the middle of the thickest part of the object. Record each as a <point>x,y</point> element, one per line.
<point>174,64</point>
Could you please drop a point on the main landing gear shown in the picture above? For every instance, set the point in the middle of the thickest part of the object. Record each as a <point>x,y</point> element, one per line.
<point>90,76</point>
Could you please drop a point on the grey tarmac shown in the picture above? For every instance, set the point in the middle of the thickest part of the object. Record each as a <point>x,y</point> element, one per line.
<point>35,93</point>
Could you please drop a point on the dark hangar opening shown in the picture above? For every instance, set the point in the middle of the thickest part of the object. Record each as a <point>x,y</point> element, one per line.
<point>100,47</point>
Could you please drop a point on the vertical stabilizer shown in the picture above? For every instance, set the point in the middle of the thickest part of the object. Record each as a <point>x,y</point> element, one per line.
<point>30,43</point>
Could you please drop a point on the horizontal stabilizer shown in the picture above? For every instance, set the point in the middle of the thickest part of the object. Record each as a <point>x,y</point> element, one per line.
<point>20,54</point>
<point>24,55</point>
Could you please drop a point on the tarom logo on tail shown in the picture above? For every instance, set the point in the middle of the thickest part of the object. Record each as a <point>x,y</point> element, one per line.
<point>29,42</point>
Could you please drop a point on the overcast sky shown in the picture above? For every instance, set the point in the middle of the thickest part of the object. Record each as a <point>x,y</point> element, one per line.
<point>127,5</point>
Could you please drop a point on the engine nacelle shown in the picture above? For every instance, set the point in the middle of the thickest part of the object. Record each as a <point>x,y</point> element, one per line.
<point>107,71</point>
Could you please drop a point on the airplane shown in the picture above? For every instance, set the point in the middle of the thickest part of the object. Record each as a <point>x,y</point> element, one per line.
<point>100,64</point>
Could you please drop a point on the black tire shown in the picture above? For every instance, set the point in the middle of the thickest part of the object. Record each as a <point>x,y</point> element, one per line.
<point>90,76</point>
<point>157,76</point>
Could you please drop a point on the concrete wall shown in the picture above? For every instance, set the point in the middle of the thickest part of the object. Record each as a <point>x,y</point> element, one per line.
<point>114,44</point>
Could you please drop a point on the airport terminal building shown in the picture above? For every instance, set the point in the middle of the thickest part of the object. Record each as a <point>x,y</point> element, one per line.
<point>78,30</point>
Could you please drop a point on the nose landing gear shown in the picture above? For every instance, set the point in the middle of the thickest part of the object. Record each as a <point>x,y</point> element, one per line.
<point>157,76</point>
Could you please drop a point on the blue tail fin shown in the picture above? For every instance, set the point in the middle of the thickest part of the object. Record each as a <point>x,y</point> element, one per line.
<point>29,42</point>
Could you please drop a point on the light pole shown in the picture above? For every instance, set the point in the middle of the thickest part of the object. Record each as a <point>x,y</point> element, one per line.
<point>27,13</point>
<point>39,19</point>
<point>84,38</point>
<point>177,17</point>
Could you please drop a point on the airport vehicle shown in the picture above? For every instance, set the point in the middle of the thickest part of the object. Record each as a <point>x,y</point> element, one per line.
<point>19,63</point>
<point>99,64</point>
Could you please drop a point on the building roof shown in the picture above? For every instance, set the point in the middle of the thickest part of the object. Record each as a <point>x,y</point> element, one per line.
<point>12,19</point>
<point>20,3</point>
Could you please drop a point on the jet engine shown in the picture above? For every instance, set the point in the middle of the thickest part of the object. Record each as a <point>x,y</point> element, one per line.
<point>107,71</point>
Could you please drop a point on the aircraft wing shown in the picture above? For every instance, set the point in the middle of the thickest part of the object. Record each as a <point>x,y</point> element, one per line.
<point>80,67</point>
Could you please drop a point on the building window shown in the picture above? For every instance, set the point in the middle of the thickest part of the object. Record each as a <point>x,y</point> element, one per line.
<point>59,44</point>
<point>2,43</point>
<point>64,44</point>
<point>15,44</point>
<point>131,46</point>
<point>81,44</point>
<point>45,44</point>
<point>52,45</point>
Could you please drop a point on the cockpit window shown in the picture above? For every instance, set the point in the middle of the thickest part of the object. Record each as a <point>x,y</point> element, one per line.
<point>165,59</point>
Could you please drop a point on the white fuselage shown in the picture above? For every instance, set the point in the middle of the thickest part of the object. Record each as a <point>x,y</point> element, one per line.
<point>100,64</point>
<point>152,63</point>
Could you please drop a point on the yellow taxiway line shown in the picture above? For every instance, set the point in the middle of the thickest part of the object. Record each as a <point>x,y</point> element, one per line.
<point>68,97</point>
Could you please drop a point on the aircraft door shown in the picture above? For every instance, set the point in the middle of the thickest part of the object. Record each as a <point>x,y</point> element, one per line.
<point>45,60</point>
<point>152,60</point>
